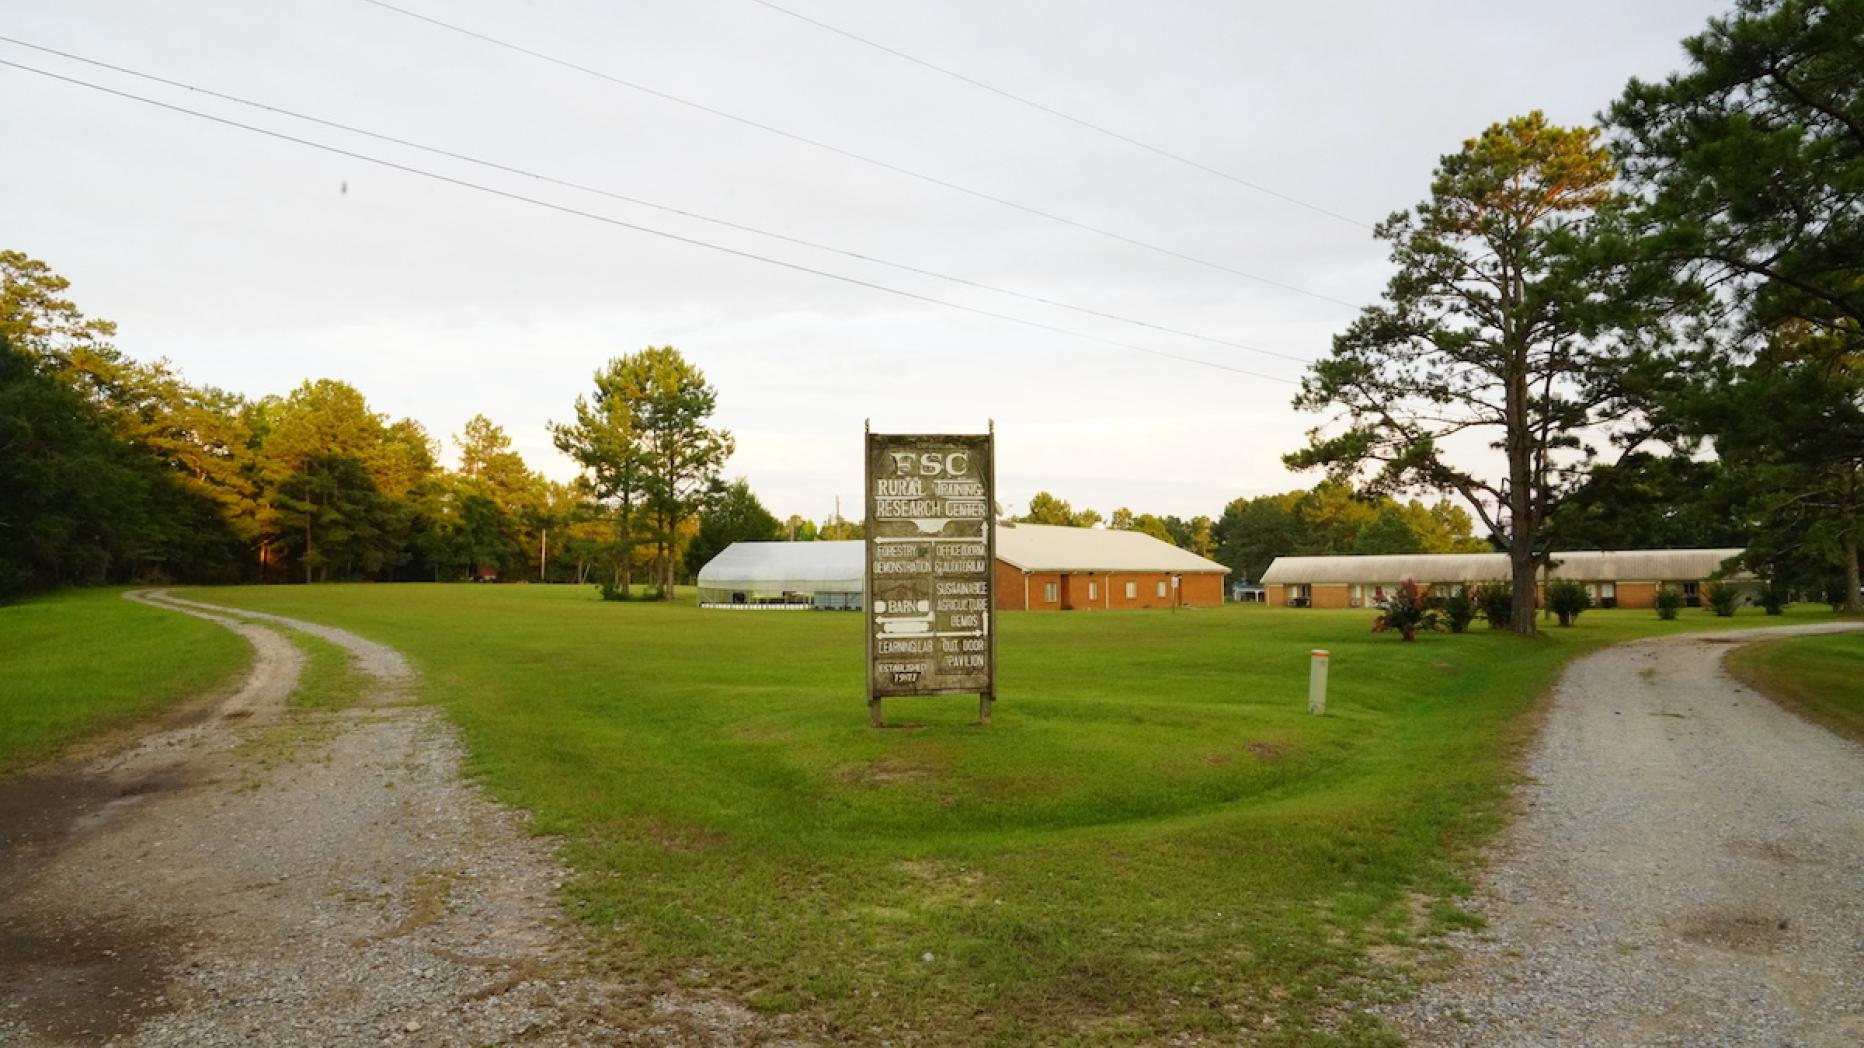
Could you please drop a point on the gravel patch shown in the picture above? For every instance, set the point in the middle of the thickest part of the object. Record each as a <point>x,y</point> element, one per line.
<point>1688,869</point>
<point>268,876</point>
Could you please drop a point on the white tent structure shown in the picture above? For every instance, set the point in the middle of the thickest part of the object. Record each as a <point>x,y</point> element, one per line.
<point>778,575</point>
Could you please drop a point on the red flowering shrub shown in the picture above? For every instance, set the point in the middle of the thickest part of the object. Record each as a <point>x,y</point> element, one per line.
<point>1407,611</point>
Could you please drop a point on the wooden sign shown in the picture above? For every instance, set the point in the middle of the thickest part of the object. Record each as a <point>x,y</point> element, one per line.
<point>931,567</point>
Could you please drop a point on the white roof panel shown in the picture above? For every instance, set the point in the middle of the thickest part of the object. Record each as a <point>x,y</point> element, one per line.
<point>786,565</point>
<point>1634,565</point>
<point>1045,547</point>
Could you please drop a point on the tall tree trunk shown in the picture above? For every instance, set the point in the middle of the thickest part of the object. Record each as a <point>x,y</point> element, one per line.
<point>666,524</point>
<point>626,531</point>
<point>1520,507</point>
<point>1852,601</point>
<point>1848,534</point>
<point>662,564</point>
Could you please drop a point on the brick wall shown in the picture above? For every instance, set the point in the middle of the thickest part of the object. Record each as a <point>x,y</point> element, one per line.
<point>1010,588</point>
<point>1332,595</point>
<point>1202,590</point>
<point>1637,594</point>
<point>1037,584</point>
<point>1085,591</point>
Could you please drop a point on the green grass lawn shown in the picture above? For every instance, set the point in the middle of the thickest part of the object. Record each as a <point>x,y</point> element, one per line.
<point>84,660</point>
<point>1820,678</point>
<point>330,678</point>
<point>1153,838</point>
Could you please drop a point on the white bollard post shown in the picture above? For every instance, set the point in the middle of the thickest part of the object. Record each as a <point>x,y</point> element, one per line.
<point>1317,682</point>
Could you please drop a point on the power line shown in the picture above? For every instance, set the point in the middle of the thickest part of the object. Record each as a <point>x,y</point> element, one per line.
<point>620,223</point>
<point>613,195</point>
<point>852,155</point>
<point>1059,114</point>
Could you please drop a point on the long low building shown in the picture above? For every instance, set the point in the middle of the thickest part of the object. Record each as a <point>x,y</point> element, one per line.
<point>1613,578</point>
<point>1039,568</point>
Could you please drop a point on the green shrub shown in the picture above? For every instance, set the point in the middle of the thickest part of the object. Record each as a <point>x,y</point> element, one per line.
<point>1773,598</point>
<point>1458,611</point>
<point>611,591</point>
<point>1722,598</point>
<point>1566,599</point>
<point>1496,600</point>
<point>1668,600</point>
<point>1835,592</point>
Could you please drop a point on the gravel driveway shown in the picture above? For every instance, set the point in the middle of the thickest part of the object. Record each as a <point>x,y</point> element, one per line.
<point>252,874</point>
<point>1688,870</point>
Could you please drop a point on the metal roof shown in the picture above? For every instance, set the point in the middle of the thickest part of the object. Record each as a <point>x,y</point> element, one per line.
<point>1645,565</point>
<point>1632,565</point>
<point>1427,567</point>
<point>1045,547</point>
<point>787,566</point>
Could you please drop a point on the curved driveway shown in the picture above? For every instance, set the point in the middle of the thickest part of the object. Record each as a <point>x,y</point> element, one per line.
<point>1688,870</point>
<point>269,875</point>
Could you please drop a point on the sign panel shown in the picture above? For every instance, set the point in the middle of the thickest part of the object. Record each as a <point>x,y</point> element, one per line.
<point>931,566</point>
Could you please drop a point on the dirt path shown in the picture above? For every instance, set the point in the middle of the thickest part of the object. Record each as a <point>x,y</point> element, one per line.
<point>250,874</point>
<point>1689,870</point>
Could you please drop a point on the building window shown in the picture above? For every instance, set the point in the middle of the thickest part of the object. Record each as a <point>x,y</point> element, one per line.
<point>1132,590</point>
<point>1048,592</point>
<point>1161,587</point>
<point>1093,591</point>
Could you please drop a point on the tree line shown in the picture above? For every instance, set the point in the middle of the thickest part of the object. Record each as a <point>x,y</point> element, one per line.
<point>115,470</point>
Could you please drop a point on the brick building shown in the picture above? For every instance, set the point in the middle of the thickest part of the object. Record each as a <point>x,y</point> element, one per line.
<point>1046,568</point>
<point>1613,578</point>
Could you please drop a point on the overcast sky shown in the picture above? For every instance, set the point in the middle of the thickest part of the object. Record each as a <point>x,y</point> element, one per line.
<point>245,262</point>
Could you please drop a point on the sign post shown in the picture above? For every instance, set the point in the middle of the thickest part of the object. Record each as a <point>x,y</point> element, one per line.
<point>931,567</point>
